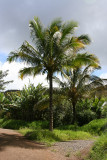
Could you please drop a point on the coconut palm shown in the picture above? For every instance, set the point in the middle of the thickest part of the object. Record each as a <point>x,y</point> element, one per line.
<point>49,55</point>
<point>78,84</point>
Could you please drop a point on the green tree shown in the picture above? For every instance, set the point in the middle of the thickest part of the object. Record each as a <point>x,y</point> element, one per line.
<point>50,53</point>
<point>2,81</point>
<point>78,84</point>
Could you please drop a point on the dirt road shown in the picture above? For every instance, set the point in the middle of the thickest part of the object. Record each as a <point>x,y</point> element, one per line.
<point>13,146</point>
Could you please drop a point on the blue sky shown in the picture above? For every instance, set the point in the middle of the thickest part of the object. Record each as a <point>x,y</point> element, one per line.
<point>14,21</point>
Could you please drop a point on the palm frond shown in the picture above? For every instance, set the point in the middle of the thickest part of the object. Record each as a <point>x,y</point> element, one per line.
<point>85,39</point>
<point>55,25</point>
<point>38,33</point>
<point>75,44</point>
<point>42,104</point>
<point>67,29</point>
<point>30,71</point>
<point>85,59</point>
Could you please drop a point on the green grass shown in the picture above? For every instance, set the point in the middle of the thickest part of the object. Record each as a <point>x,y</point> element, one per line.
<point>96,127</point>
<point>17,124</point>
<point>38,125</point>
<point>69,127</point>
<point>99,150</point>
<point>57,135</point>
<point>12,124</point>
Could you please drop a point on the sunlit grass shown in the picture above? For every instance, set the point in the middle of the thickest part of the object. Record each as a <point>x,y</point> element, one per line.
<point>96,127</point>
<point>55,136</point>
<point>99,150</point>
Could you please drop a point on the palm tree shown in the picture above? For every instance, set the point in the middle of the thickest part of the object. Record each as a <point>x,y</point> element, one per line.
<point>78,84</point>
<point>50,52</point>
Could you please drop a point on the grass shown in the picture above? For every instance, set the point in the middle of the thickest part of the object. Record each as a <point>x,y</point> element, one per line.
<point>17,124</point>
<point>57,135</point>
<point>99,150</point>
<point>96,127</point>
<point>74,127</point>
<point>12,124</point>
<point>67,154</point>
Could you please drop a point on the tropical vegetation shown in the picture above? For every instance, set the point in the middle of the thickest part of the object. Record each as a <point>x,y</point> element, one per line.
<point>2,81</point>
<point>54,49</point>
<point>77,106</point>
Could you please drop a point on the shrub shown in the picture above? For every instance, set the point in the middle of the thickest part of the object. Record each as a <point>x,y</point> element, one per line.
<point>38,125</point>
<point>96,126</point>
<point>99,150</point>
<point>12,124</point>
<point>17,124</point>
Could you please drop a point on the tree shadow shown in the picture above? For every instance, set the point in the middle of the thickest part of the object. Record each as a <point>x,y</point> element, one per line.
<point>16,140</point>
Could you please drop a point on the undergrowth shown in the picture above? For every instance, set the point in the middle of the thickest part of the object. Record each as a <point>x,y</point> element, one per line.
<point>99,150</point>
<point>17,124</point>
<point>96,127</point>
<point>55,136</point>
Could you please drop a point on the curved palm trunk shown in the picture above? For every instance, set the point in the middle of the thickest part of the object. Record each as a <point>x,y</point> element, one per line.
<point>51,103</point>
<point>74,112</point>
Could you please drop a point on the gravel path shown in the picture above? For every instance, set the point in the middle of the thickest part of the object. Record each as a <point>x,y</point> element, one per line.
<point>13,146</point>
<point>74,147</point>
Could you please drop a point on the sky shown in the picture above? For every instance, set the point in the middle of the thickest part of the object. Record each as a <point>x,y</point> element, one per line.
<point>14,30</point>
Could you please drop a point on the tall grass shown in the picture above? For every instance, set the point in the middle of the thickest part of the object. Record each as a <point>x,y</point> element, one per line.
<point>97,127</point>
<point>55,136</point>
<point>99,150</point>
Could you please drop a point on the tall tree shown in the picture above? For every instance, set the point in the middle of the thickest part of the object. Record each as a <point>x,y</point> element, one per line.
<point>49,55</point>
<point>78,84</point>
<point>2,81</point>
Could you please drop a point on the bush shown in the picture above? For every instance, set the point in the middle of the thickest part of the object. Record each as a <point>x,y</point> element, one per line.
<point>96,126</point>
<point>74,127</point>
<point>38,125</point>
<point>85,117</point>
<point>99,150</point>
<point>17,124</point>
<point>12,124</point>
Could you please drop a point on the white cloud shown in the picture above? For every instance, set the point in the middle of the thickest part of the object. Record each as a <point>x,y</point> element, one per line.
<point>104,75</point>
<point>13,75</point>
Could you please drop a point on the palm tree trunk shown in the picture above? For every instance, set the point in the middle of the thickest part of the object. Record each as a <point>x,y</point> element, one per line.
<point>51,102</point>
<point>74,113</point>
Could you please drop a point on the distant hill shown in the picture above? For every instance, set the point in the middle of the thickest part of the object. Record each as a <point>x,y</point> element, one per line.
<point>12,90</point>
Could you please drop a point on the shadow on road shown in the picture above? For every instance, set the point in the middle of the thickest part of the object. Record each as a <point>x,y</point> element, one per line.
<point>16,140</point>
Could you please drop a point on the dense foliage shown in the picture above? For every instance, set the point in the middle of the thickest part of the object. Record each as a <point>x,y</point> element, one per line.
<point>23,104</point>
<point>2,81</point>
<point>27,105</point>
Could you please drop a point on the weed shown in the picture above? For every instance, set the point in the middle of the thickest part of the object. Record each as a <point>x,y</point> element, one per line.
<point>68,154</point>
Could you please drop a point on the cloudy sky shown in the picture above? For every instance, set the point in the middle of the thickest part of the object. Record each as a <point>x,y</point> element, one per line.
<point>15,15</point>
